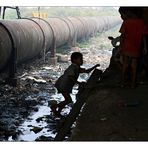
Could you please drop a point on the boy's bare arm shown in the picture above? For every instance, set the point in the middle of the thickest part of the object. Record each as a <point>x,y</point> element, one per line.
<point>83,70</point>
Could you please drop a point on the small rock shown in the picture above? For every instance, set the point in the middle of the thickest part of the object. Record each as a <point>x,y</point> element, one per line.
<point>35,109</point>
<point>39,119</point>
<point>75,49</point>
<point>62,58</point>
<point>36,129</point>
<point>103,119</point>
<point>35,90</point>
<point>30,126</point>
<point>44,138</point>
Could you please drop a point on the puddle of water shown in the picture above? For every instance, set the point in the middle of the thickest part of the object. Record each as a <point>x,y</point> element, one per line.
<point>27,134</point>
<point>43,111</point>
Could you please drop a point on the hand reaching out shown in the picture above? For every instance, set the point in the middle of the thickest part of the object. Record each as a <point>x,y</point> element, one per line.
<point>97,65</point>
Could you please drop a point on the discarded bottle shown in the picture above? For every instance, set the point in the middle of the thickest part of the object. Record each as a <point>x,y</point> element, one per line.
<point>129,104</point>
<point>133,104</point>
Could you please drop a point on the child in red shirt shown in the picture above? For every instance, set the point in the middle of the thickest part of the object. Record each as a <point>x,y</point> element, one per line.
<point>132,31</point>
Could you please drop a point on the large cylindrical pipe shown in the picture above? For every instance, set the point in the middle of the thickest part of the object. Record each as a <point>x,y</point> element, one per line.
<point>5,46</point>
<point>61,30</point>
<point>32,36</point>
<point>27,36</point>
<point>79,27</point>
<point>47,31</point>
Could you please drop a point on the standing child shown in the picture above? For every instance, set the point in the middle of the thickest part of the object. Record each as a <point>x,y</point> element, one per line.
<point>132,31</point>
<point>66,82</point>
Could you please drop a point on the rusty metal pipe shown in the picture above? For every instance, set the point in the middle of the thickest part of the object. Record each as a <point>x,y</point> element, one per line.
<point>32,36</point>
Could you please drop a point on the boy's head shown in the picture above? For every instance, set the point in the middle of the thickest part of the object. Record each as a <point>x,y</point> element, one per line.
<point>77,58</point>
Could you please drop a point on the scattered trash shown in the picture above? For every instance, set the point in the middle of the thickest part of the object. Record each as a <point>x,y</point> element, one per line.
<point>35,80</point>
<point>103,119</point>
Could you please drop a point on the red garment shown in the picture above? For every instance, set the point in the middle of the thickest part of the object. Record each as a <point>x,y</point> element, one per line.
<point>132,31</point>
<point>145,30</point>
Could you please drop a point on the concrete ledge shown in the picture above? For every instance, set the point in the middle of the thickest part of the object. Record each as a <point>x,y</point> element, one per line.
<point>53,60</point>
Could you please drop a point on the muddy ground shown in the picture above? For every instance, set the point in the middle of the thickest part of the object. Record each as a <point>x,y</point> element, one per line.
<point>112,113</point>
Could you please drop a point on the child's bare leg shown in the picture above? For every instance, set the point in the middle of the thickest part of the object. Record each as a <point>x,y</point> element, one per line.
<point>134,72</point>
<point>54,108</point>
<point>124,70</point>
<point>142,75</point>
<point>67,100</point>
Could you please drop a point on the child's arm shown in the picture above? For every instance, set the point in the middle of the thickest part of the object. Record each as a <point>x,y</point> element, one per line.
<point>83,70</point>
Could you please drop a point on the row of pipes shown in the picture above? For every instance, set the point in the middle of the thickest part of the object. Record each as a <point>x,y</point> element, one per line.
<point>23,39</point>
<point>32,36</point>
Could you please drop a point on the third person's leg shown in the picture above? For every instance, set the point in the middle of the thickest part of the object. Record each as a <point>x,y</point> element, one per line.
<point>124,70</point>
<point>134,72</point>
